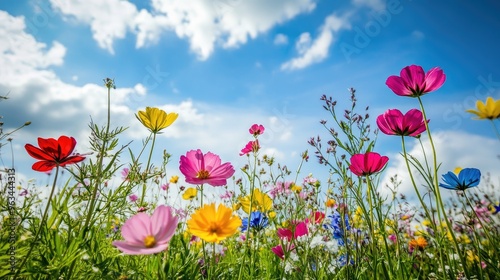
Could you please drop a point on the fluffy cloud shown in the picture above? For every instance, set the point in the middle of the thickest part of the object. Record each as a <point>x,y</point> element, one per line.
<point>280,39</point>
<point>317,50</point>
<point>57,108</point>
<point>205,23</point>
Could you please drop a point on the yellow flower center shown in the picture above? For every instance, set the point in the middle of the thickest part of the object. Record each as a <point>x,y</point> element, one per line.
<point>149,241</point>
<point>202,174</point>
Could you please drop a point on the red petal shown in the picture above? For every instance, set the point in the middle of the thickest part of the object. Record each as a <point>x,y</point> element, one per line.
<point>37,153</point>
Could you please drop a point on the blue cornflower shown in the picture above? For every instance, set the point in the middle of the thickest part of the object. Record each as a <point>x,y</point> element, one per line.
<point>338,227</point>
<point>467,178</point>
<point>258,221</point>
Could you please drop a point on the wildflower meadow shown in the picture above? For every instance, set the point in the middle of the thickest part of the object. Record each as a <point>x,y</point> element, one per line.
<point>109,216</point>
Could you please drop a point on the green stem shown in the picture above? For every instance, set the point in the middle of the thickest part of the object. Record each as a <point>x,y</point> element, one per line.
<point>98,177</point>
<point>247,234</point>
<point>147,167</point>
<point>435,188</point>
<point>44,217</point>
<point>495,128</point>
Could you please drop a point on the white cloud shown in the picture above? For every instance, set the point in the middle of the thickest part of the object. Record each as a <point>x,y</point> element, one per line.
<point>108,20</point>
<point>280,39</point>
<point>58,108</point>
<point>454,149</point>
<point>317,50</point>
<point>205,23</point>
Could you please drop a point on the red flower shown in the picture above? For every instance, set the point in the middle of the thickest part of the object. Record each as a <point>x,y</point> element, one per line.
<point>53,153</point>
<point>393,122</point>
<point>367,164</point>
<point>415,82</point>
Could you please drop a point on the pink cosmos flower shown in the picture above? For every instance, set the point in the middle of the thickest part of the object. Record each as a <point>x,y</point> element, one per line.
<point>146,235</point>
<point>393,122</point>
<point>256,129</point>
<point>133,197</point>
<point>165,186</point>
<point>367,164</point>
<point>199,168</point>
<point>414,82</point>
<point>251,147</point>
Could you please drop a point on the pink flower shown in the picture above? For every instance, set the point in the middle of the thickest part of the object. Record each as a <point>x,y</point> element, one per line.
<point>278,250</point>
<point>200,169</point>
<point>125,172</point>
<point>133,197</point>
<point>251,147</point>
<point>393,122</point>
<point>296,230</point>
<point>414,82</point>
<point>256,129</point>
<point>146,235</point>
<point>367,164</point>
<point>165,186</point>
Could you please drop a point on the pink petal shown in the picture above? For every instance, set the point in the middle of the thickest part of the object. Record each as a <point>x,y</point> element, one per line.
<point>397,85</point>
<point>131,249</point>
<point>163,224</point>
<point>434,79</point>
<point>414,77</point>
<point>137,228</point>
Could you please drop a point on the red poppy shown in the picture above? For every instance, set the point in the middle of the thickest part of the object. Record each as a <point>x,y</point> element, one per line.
<point>53,153</point>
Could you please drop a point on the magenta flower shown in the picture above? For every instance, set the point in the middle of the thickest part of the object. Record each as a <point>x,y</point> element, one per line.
<point>200,169</point>
<point>251,147</point>
<point>393,122</point>
<point>414,82</point>
<point>297,229</point>
<point>256,129</point>
<point>367,164</point>
<point>146,235</point>
<point>133,197</point>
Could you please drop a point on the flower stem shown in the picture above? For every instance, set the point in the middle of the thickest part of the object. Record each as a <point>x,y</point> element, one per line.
<point>147,167</point>
<point>495,128</point>
<point>435,188</point>
<point>44,216</point>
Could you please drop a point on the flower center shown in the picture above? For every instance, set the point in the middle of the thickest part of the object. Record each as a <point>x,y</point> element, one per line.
<point>149,241</point>
<point>213,229</point>
<point>202,174</point>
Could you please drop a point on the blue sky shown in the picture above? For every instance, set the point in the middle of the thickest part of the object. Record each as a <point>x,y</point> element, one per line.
<point>226,64</point>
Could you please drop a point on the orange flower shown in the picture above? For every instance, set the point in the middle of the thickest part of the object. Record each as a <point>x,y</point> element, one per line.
<point>418,243</point>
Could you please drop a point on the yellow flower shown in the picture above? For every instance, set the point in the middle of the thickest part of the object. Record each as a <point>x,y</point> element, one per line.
<point>471,257</point>
<point>457,170</point>
<point>296,188</point>
<point>189,194</point>
<point>330,203</point>
<point>261,202</point>
<point>156,119</point>
<point>213,225</point>
<point>272,215</point>
<point>174,179</point>
<point>489,110</point>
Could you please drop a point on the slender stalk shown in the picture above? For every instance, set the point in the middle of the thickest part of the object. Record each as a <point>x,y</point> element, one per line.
<point>247,234</point>
<point>439,201</point>
<point>44,217</point>
<point>495,128</point>
<point>147,167</point>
